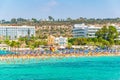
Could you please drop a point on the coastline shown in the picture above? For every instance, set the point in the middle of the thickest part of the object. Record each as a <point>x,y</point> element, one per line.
<point>36,58</point>
<point>44,56</point>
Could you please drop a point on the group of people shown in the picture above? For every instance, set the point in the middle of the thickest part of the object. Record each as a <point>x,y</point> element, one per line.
<point>25,55</point>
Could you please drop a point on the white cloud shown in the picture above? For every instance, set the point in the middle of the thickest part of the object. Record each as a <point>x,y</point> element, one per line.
<point>48,7</point>
<point>52,3</point>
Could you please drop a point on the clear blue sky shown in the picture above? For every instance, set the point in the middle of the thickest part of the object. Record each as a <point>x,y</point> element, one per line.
<point>59,8</point>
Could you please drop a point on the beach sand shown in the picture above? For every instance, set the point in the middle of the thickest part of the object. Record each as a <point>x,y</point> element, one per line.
<point>44,56</point>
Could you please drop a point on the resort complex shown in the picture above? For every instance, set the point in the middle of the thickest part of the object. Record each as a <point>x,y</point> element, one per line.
<point>58,47</point>
<point>82,30</point>
<point>25,37</point>
<point>15,32</point>
<point>86,40</point>
<point>59,39</point>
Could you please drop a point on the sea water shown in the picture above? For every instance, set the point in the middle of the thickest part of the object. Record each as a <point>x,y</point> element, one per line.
<point>84,68</point>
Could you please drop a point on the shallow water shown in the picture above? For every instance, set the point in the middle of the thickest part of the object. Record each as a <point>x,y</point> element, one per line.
<point>84,68</point>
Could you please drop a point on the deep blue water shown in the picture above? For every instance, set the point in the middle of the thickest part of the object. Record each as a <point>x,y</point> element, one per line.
<point>84,68</point>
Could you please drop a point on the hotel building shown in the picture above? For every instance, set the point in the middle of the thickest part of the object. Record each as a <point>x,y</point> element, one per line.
<point>60,41</point>
<point>82,30</point>
<point>14,32</point>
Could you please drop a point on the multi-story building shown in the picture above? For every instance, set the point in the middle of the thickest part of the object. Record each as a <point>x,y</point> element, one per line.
<point>81,30</point>
<point>61,41</point>
<point>14,32</point>
<point>91,30</point>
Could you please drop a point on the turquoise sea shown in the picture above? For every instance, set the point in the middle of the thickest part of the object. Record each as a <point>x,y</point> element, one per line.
<point>84,68</point>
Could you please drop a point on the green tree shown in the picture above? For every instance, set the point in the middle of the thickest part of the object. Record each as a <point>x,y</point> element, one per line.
<point>108,33</point>
<point>117,42</point>
<point>69,45</point>
<point>34,20</point>
<point>103,33</point>
<point>50,18</point>
<point>13,20</point>
<point>91,43</point>
<point>7,42</point>
<point>111,41</point>
<point>98,43</point>
<point>18,44</point>
<point>95,40</point>
<point>105,43</point>
<point>19,20</point>
<point>80,41</point>
<point>3,21</point>
<point>32,47</point>
<point>13,44</point>
<point>71,40</point>
<point>69,19</point>
<point>112,33</point>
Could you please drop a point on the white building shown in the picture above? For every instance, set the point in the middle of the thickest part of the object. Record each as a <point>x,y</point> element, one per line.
<point>61,41</point>
<point>91,30</point>
<point>81,30</point>
<point>14,32</point>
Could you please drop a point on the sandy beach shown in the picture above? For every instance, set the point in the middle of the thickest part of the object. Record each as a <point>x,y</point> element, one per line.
<point>26,58</point>
<point>43,56</point>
